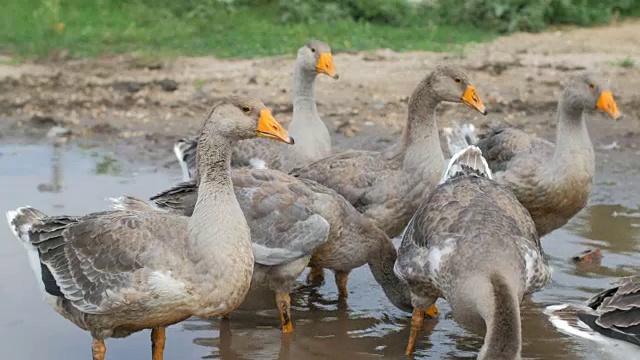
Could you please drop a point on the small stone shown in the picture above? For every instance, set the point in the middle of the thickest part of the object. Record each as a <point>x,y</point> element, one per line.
<point>127,86</point>
<point>58,131</point>
<point>168,85</point>
<point>42,121</point>
<point>103,128</point>
<point>378,105</point>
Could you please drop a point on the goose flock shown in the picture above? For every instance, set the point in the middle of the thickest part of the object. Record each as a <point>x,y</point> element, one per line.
<point>260,211</point>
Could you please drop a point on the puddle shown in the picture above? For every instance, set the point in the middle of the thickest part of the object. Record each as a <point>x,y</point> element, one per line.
<point>72,180</point>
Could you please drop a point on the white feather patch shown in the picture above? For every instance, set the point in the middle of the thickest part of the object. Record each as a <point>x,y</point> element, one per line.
<point>257,163</point>
<point>436,254</point>
<point>454,159</point>
<point>117,203</point>
<point>273,256</point>
<point>22,234</point>
<point>166,286</point>
<point>177,149</point>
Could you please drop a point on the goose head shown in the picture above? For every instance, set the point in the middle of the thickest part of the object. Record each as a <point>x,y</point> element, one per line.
<point>584,92</point>
<point>315,57</point>
<point>241,117</point>
<point>450,83</point>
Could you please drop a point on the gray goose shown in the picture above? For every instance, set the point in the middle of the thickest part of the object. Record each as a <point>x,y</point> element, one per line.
<point>553,181</point>
<point>352,240</point>
<point>313,141</point>
<point>611,317</point>
<point>118,272</point>
<point>388,186</point>
<point>472,243</point>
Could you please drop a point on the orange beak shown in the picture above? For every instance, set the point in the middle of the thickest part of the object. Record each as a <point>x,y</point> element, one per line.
<point>268,127</point>
<point>471,98</point>
<point>325,65</point>
<point>607,104</point>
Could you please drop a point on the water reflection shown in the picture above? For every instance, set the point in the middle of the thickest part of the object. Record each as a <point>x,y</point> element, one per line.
<point>616,227</point>
<point>56,171</point>
<point>367,326</point>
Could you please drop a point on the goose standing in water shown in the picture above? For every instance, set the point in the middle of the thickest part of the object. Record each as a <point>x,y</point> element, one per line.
<point>295,222</point>
<point>313,141</point>
<point>388,186</point>
<point>611,318</point>
<point>553,181</point>
<point>472,243</point>
<point>118,272</point>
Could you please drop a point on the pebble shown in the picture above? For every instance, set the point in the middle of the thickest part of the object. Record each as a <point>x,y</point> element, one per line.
<point>58,131</point>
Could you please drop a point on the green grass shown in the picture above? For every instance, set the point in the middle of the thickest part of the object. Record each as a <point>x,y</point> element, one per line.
<point>626,63</point>
<point>30,28</point>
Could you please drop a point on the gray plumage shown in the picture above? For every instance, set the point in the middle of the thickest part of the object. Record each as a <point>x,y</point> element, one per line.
<point>117,272</point>
<point>472,243</point>
<point>313,141</point>
<point>553,181</point>
<point>388,186</point>
<point>352,239</point>
<point>613,313</point>
<point>618,308</point>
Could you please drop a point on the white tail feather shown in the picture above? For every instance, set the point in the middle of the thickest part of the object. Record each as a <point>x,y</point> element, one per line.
<point>21,220</point>
<point>178,149</point>
<point>469,158</point>
<point>130,203</point>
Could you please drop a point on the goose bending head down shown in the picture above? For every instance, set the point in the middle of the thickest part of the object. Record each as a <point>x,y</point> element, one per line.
<point>118,272</point>
<point>472,243</point>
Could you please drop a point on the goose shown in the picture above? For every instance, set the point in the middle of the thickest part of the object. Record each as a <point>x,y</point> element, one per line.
<point>352,240</point>
<point>313,138</point>
<point>388,186</point>
<point>611,318</point>
<point>553,181</point>
<point>472,243</point>
<point>114,273</point>
<point>285,230</point>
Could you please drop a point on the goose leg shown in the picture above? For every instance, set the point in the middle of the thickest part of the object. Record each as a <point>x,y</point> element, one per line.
<point>341,281</point>
<point>98,349</point>
<point>158,338</point>
<point>315,276</point>
<point>283,301</point>
<point>226,316</point>
<point>416,324</point>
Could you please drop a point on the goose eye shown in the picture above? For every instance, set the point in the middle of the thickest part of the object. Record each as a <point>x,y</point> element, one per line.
<point>458,80</point>
<point>246,109</point>
<point>592,86</point>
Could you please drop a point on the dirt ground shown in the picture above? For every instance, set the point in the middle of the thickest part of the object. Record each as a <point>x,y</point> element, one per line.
<point>145,105</point>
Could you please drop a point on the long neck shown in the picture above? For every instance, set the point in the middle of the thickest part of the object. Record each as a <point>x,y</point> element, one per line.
<point>422,152</point>
<point>215,190</point>
<point>381,261</point>
<point>573,145</point>
<point>304,91</point>
<point>503,339</point>
<point>213,161</point>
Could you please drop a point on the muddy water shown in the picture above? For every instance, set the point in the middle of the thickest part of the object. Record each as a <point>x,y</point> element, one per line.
<point>73,180</point>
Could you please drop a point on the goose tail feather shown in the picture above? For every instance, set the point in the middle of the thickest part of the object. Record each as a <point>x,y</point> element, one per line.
<point>467,162</point>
